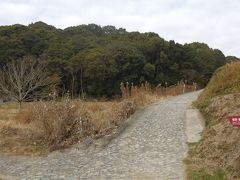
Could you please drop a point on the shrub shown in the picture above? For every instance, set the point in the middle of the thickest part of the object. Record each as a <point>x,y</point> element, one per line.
<point>62,122</point>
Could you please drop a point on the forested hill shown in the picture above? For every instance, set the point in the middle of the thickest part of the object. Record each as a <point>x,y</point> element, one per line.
<point>96,59</point>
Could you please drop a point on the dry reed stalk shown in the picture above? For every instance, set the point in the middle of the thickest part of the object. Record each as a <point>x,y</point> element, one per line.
<point>144,94</point>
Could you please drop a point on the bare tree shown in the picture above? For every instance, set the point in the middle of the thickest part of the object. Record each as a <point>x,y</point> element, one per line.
<point>25,80</point>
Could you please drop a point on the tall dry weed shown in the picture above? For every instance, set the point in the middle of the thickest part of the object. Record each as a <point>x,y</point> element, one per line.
<point>62,122</point>
<point>145,94</point>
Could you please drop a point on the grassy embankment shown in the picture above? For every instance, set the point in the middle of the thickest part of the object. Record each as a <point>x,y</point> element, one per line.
<point>217,155</point>
<point>41,127</point>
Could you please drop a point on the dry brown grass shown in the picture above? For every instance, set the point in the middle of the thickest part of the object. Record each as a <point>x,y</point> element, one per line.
<point>41,127</point>
<point>220,144</point>
<point>46,126</point>
<point>225,80</point>
<point>144,94</point>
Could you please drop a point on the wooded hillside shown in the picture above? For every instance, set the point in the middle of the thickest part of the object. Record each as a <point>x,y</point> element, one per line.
<point>95,60</point>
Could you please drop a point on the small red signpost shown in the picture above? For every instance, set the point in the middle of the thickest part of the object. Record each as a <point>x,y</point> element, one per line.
<point>234,120</point>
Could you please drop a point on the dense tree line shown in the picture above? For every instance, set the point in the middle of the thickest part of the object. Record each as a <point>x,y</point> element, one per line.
<point>94,60</point>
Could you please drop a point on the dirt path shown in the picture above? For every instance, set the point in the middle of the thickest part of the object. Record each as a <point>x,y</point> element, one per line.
<point>153,146</point>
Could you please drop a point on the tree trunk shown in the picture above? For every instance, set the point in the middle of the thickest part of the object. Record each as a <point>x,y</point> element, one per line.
<point>19,106</point>
<point>81,83</point>
<point>73,84</point>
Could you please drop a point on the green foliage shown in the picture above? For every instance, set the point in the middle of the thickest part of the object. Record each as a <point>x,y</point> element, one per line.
<point>148,71</point>
<point>95,60</point>
<point>218,175</point>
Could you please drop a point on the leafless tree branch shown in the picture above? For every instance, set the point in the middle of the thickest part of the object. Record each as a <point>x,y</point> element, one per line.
<point>26,79</point>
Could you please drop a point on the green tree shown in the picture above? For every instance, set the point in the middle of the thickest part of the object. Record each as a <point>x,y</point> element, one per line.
<point>149,71</point>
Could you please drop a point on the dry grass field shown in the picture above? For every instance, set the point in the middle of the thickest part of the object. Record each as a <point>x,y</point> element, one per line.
<point>44,126</point>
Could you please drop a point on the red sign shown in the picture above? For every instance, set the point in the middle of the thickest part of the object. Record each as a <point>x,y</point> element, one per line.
<point>235,120</point>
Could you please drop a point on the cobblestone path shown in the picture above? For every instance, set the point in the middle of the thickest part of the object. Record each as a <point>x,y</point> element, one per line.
<point>153,146</point>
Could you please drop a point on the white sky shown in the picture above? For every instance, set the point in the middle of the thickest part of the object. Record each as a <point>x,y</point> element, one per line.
<point>215,22</point>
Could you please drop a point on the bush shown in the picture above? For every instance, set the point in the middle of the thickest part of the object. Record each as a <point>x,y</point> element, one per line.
<point>62,122</point>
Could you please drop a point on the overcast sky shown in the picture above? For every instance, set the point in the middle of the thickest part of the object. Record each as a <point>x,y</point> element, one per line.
<point>215,22</point>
